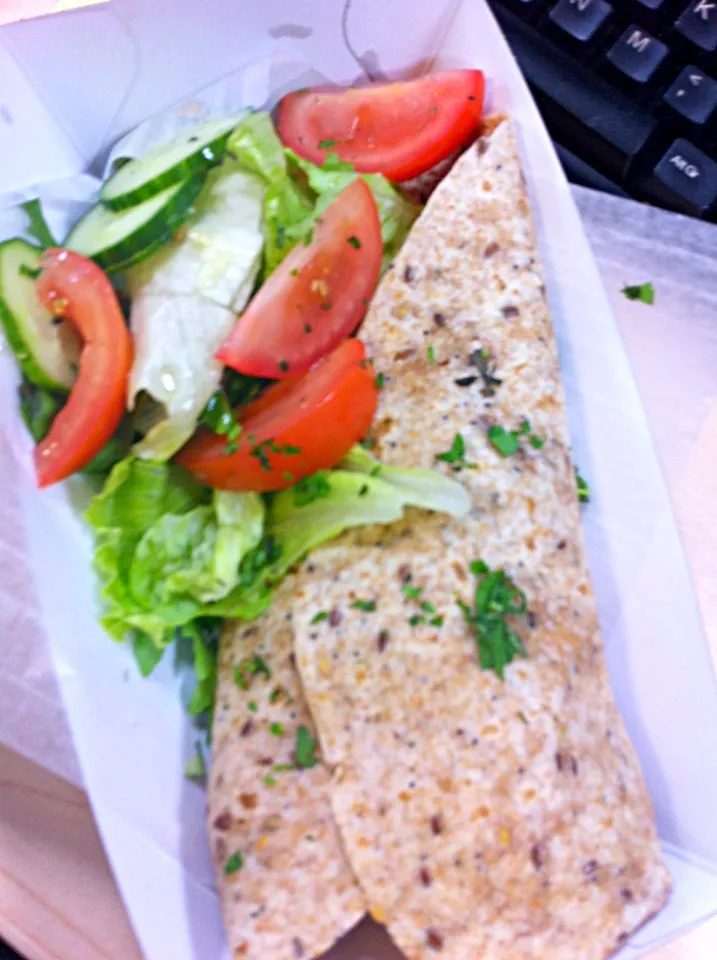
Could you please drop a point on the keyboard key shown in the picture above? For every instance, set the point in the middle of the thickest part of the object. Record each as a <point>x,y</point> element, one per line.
<point>581,19</point>
<point>699,24</point>
<point>583,111</point>
<point>687,178</point>
<point>637,54</point>
<point>693,95</point>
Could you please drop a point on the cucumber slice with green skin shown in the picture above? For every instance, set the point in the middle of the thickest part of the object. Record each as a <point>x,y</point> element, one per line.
<point>192,151</point>
<point>47,351</point>
<point>117,241</point>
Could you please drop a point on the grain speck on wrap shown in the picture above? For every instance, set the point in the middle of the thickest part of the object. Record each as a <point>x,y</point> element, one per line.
<point>502,819</point>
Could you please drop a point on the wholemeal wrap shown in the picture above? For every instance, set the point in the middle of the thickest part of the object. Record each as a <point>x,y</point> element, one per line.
<point>487,799</point>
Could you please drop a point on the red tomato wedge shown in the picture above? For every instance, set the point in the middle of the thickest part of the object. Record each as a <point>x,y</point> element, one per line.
<point>397,129</point>
<point>294,429</point>
<point>72,286</point>
<point>316,297</point>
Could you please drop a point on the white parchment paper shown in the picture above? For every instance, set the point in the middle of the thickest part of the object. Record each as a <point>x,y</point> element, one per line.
<point>131,735</point>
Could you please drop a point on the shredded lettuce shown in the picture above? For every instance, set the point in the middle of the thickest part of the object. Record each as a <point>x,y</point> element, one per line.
<point>298,191</point>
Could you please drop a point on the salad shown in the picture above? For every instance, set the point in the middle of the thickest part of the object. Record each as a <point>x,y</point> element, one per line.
<point>194,345</point>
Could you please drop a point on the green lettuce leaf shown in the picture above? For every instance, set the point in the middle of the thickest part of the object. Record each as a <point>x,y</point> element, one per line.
<point>362,492</point>
<point>298,191</point>
<point>168,551</point>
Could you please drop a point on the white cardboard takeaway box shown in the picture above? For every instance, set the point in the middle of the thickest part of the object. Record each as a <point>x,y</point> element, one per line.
<point>69,86</point>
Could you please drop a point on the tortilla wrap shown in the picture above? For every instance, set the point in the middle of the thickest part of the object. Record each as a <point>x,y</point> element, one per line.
<point>500,819</point>
<point>294,894</point>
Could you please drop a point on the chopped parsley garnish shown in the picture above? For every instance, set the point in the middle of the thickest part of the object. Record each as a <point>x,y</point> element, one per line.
<point>437,621</point>
<point>283,767</point>
<point>496,598</point>
<point>311,489</point>
<point>233,864</point>
<point>326,144</point>
<point>276,729</point>
<point>644,292</point>
<point>319,617</point>
<point>252,706</point>
<point>431,354</point>
<point>380,381</point>
<point>305,749</point>
<point>355,243</point>
<point>411,593</point>
<point>261,451</point>
<point>269,781</point>
<point>277,693</point>
<point>456,454</point>
<point>507,442</point>
<point>427,607</point>
<point>294,272</point>
<point>219,417</point>
<point>582,487</point>
<point>247,669</point>
<point>368,606</point>
<point>416,619</point>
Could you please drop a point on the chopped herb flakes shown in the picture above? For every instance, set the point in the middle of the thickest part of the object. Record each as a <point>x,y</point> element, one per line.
<point>436,621</point>
<point>380,381</point>
<point>326,144</point>
<point>252,706</point>
<point>305,749</point>
<point>233,864</point>
<point>247,669</point>
<point>496,598</point>
<point>277,729</point>
<point>261,451</point>
<point>644,292</point>
<point>507,442</point>
<point>355,243</point>
<point>431,354</point>
<point>319,617</point>
<point>582,487</point>
<point>416,619</point>
<point>311,489</point>
<point>283,366</point>
<point>411,593</point>
<point>269,781</point>
<point>456,454</point>
<point>368,606</point>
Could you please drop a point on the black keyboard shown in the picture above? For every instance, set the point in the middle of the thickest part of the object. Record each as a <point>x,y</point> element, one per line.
<point>628,90</point>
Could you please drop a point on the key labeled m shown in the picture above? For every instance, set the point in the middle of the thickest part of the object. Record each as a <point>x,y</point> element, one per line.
<point>638,41</point>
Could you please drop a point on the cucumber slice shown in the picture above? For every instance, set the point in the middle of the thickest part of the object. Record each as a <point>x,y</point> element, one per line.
<point>48,352</point>
<point>192,151</point>
<point>119,240</point>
